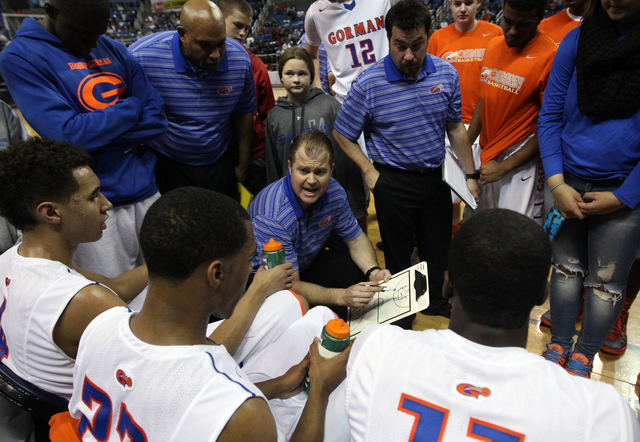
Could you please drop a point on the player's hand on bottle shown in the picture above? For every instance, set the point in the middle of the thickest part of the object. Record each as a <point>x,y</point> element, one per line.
<point>273,280</point>
<point>359,295</point>
<point>491,171</point>
<point>380,276</point>
<point>567,201</point>
<point>326,374</point>
<point>600,203</point>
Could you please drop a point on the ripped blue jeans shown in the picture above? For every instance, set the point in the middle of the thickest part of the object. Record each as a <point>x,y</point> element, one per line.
<point>595,253</point>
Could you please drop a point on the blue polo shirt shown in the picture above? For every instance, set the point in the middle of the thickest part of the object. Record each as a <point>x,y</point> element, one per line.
<point>199,104</point>
<point>403,118</point>
<point>276,213</point>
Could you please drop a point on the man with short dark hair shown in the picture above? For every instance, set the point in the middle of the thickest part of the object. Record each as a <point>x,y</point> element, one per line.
<point>302,210</point>
<point>156,376</point>
<point>514,76</point>
<point>72,83</point>
<point>206,82</point>
<point>404,104</point>
<point>476,380</point>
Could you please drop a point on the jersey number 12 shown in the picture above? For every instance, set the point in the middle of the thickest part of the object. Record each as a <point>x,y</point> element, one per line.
<point>368,56</point>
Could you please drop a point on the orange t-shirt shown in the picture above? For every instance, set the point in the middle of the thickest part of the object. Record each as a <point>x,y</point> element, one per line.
<point>465,50</point>
<point>512,83</point>
<point>559,25</point>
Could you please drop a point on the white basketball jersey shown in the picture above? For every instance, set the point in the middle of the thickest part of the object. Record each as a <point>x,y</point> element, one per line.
<point>34,293</point>
<point>353,34</point>
<point>155,393</point>
<point>437,386</point>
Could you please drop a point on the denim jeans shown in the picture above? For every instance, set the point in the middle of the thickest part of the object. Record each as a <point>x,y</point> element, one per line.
<point>595,253</point>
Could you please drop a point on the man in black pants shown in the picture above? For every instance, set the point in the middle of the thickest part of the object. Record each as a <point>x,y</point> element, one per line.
<point>404,103</point>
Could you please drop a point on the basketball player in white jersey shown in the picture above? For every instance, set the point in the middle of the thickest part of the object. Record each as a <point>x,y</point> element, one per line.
<point>476,380</point>
<point>50,192</point>
<point>353,35</point>
<point>155,376</point>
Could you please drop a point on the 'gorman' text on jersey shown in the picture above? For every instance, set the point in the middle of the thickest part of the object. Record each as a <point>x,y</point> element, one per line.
<point>356,30</point>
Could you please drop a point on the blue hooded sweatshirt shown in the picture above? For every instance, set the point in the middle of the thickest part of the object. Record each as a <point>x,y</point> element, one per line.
<point>101,101</point>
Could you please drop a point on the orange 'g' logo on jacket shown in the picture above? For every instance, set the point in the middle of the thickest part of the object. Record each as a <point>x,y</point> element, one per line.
<point>436,89</point>
<point>100,90</point>
<point>472,391</point>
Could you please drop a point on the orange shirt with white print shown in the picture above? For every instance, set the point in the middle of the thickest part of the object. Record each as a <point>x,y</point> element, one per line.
<point>465,51</point>
<point>512,82</point>
<point>559,25</point>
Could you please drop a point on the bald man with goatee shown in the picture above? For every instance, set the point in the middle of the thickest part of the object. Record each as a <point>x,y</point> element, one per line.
<point>206,82</point>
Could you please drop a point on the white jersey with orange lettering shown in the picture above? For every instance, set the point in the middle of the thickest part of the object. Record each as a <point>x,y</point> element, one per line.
<point>152,393</point>
<point>33,295</point>
<point>435,385</point>
<point>353,35</point>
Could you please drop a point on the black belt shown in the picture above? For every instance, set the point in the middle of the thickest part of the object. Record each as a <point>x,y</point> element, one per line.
<point>421,171</point>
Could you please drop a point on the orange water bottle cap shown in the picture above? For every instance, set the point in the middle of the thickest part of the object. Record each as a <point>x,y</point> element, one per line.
<point>272,246</point>
<point>338,329</point>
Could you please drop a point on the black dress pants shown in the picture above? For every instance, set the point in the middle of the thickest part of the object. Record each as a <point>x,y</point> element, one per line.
<point>414,207</point>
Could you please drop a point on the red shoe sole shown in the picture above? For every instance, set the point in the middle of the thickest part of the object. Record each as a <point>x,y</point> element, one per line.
<point>613,352</point>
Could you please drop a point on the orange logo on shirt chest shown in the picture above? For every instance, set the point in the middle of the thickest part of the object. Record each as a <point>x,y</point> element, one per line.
<point>100,90</point>
<point>325,221</point>
<point>472,391</point>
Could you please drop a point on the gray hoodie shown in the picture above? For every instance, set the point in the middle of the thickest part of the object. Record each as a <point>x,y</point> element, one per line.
<point>317,111</point>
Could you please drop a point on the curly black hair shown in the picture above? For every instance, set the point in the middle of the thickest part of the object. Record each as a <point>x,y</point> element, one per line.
<point>499,262</point>
<point>188,226</point>
<point>35,171</point>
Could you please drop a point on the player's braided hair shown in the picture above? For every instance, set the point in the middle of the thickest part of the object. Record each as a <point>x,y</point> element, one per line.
<point>408,15</point>
<point>35,171</point>
<point>188,226</point>
<point>499,262</point>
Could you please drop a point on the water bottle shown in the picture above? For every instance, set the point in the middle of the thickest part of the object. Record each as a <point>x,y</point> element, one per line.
<point>334,339</point>
<point>272,254</point>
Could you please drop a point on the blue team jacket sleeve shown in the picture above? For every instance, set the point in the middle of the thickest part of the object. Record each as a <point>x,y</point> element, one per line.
<point>51,114</point>
<point>551,118</point>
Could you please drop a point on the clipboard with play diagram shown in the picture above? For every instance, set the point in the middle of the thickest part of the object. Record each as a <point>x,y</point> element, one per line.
<point>406,293</point>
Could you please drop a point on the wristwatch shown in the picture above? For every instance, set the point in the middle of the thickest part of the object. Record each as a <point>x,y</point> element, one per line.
<point>472,176</point>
